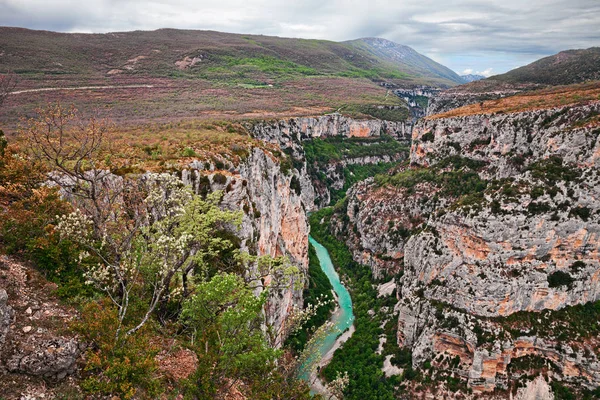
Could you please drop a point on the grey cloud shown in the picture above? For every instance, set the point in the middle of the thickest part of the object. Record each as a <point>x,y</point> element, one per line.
<point>463,34</point>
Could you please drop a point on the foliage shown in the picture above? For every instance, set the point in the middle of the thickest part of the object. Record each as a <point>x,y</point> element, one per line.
<point>560,278</point>
<point>123,366</point>
<point>382,112</point>
<point>357,357</point>
<point>454,183</point>
<point>318,290</point>
<point>223,318</point>
<point>27,225</point>
<point>553,170</point>
<point>320,152</point>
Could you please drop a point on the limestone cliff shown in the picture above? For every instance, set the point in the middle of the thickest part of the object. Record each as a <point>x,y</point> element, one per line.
<point>274,221</point>
<point>318,179</point>
<point>494,228</point>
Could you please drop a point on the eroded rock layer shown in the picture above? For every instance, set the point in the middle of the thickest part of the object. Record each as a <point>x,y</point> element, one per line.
<point>494,227</point>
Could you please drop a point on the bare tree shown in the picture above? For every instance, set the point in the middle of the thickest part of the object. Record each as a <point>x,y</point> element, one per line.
<point>8,82</point>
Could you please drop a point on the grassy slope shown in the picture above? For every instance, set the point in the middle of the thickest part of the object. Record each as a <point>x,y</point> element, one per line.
<point>565,68</point>
<point>235,76</point>
<point>224,56</point>
<point>531,100</point>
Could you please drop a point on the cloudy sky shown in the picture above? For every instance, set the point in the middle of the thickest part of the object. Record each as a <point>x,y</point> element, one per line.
<point>469,36</point>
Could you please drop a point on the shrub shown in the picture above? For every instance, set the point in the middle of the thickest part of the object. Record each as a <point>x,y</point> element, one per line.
<point>560,278</point>
<point>124,367</point>
<point>188,152</point>
<point>428,137</point>
<point>219,179</point>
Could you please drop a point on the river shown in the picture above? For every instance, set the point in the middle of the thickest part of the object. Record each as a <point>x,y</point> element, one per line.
<point>342,318</point>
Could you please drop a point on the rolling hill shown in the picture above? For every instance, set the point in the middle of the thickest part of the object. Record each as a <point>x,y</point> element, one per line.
<point>214,56</point>
<point>565,68</point>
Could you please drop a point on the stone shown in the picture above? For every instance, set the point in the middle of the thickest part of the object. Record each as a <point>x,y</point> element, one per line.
<point>51,358</point>
<point>6,316</point>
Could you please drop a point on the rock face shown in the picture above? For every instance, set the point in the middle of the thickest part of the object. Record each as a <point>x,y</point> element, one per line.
<point>6,316</point>
<point>274,222</point>
<point>496,220</point>
<point>538,389</point>
<point>291,134</point>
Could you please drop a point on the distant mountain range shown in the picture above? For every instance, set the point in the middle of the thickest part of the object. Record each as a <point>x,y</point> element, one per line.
<point>215,56</point>
<point>472,78</point>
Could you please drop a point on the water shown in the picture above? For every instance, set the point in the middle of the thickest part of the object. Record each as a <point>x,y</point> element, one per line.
<point>343,318</point>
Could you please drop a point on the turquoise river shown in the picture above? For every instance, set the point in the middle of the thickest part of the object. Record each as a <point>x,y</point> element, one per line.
<point>342,318</point>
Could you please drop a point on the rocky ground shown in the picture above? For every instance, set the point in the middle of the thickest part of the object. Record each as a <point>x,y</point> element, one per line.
<point>39,358</point>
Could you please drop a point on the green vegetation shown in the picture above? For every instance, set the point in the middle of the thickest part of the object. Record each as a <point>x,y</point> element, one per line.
<point>319,289</point>
<point>454,183</point>
<point>383,112</point>
<point>321,153</point>
<point>357,356</point>
<point>560,278</point>
<point>356,173</point>
<point>553,170</point>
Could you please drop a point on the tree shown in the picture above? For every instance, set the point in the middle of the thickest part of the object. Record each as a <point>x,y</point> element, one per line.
<point>225,320</point>
<point>337,386</point>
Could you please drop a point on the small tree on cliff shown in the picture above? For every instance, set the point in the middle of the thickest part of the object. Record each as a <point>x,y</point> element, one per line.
<point>141,236</point>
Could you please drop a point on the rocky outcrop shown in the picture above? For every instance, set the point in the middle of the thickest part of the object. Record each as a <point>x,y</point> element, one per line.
<point>6,316</point>
<point>51,359</point>
<point>494,223</point>
<point>291,134</point>
<point>510,142</point>
<point>538,389</point>
<point>274,221</point>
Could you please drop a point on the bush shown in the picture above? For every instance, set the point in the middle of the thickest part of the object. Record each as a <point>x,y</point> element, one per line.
<point>560,278</point>
<point>188,152</point>
<point>220,179</point>
<point>125,368</point>
<point>428,137</point>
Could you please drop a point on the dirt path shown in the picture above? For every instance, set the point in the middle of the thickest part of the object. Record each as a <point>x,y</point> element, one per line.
<point>82,88</point>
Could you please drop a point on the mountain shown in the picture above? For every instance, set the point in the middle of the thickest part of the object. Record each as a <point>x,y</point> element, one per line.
<point>472,77</point>
<point>565,68</point>
<point>406,60</point>
<point>214,56</point>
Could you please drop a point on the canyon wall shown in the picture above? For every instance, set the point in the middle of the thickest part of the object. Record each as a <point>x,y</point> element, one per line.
<point>318,180</point>
<point>496,221</point>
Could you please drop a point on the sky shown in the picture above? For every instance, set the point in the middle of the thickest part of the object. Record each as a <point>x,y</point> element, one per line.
<point>468,36</point>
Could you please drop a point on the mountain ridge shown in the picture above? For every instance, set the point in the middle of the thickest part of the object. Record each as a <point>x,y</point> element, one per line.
<point>174,52</point>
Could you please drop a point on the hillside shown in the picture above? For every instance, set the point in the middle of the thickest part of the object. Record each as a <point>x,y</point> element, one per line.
<point>172,75</point>
<point>565,68</point>
<point>211,55</point>
<point>406,59</point>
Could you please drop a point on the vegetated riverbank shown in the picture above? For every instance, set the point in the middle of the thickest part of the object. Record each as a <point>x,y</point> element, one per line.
<point>341,319</point>
<point>358,356</point>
